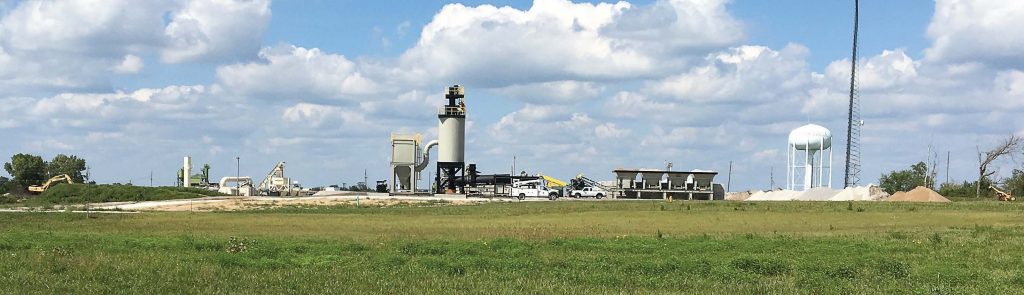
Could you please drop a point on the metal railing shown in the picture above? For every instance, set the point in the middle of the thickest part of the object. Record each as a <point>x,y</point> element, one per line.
<point>451,111</point>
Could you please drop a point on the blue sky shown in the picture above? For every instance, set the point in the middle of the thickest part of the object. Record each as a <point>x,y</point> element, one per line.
<point>566,87</point>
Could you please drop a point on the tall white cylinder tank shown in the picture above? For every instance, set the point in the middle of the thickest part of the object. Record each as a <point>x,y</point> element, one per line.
<point>187,172</point>
<point>451,139</point>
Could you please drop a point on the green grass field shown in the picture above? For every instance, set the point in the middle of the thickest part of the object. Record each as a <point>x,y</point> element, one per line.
<point>534,247</point>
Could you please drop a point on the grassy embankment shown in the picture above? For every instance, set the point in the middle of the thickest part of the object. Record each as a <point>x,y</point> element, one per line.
<point>69,194</point>
<point>545,247</point>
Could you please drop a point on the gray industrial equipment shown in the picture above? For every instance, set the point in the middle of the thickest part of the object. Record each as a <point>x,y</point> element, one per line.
<point>452,142</point>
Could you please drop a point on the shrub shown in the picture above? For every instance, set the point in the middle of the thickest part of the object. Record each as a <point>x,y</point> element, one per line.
<point>84,193</point>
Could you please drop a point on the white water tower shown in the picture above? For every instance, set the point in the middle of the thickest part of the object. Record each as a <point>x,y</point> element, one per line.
<point>807,165</point>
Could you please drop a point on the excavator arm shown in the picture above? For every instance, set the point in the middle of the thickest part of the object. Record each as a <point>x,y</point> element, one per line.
<point>50,182</point>
<point>1003,196</point>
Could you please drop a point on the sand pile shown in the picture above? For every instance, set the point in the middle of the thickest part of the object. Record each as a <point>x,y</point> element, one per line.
<point>919,194</point>
<point>778,195</point>
<point>816,194</point>
<point>860,193</point>
<point>737,196</point>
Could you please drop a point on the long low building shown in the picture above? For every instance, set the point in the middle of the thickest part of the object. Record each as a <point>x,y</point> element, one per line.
<point>663,184</point>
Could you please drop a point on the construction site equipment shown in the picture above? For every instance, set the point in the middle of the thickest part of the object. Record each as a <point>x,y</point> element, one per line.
<point>407,160</point>
<point>663,184</point>
<point>50,182</point>
<point>553,182</point>
<point>201,179</point>
<point>581,181</point>
<point>275,184</point>
<point>242,187</point>
<point>1001,195</point>
<point>583,187</point>
<point>451,136</point>
<point>533,188</point>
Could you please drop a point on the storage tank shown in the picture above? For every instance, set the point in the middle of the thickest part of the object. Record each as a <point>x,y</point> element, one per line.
<point>451,137</point>
<point>812,140</point>
<point>811,137</point>
<point>186,170</point>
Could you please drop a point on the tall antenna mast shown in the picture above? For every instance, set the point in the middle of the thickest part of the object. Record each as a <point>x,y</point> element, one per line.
<point>854,122</point>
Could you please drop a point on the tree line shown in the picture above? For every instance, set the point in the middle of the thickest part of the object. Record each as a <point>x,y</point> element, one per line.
<point>28,170</point>
<point>921,174</point>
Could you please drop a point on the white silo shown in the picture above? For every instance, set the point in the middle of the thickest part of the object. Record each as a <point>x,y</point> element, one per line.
<point>807,147</point>
<point>451,137</point>
<point>186,172</point>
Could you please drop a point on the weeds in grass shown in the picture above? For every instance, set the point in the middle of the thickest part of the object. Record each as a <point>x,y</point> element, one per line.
<point>239,245</point>
<point>893,269</point>
<point>935,239</point>
<point>849,206</point>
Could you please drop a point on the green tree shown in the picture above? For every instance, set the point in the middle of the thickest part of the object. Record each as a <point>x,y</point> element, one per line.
<point>1015,183</point>
<point>904,180</point>
<point>3,184</point>
<point>71,165</point>
<point>26,169</point>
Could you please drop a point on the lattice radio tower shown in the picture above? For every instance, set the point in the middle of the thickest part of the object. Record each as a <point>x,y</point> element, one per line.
<point>854,122</point>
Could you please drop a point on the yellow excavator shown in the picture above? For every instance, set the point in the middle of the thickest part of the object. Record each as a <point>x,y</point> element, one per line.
<point>1003,196</point>
<point>51,182</point>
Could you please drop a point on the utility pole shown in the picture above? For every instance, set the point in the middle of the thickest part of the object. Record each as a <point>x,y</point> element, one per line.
<point>150,178</point>
<point>238,173</point>
<point>771,178</point>
<point>729,181</point>
<point>366,186</point>
<point>947,166</point>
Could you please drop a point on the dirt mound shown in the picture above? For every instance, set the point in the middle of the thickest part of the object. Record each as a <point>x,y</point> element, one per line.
<point>919,194</point>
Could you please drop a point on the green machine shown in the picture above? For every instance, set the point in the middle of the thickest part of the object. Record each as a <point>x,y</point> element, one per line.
<point>196,180</point>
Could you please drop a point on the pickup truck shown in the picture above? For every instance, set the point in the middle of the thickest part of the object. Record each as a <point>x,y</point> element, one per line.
<point>532,188</point>
<point>588,192</point>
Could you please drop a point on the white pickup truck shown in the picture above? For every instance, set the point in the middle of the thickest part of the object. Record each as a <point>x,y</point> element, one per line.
<point>532,188</point>
<point>588,192</point>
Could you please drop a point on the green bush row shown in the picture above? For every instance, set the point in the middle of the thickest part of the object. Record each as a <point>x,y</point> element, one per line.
<point>84,193</point>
